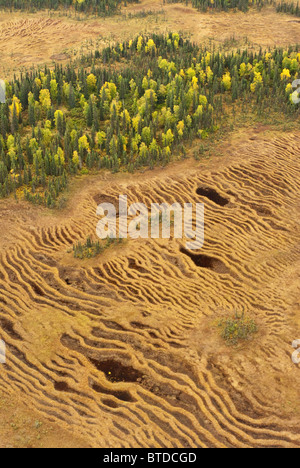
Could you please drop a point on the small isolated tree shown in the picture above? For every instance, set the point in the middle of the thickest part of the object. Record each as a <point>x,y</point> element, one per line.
<point>91,82</point>
<point>146,135</point>
<point>168,138</point>
<point>100,138</point>
<point>45,99</point>
<point>76,160</point>
<point>59,121</point>
<point>53,90</point>
<point>226,81</point>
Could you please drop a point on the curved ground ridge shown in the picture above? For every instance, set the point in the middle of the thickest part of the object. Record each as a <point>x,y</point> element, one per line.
<point>124,348</point>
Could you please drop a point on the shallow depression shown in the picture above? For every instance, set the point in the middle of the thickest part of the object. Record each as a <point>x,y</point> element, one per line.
<point>212,195</point>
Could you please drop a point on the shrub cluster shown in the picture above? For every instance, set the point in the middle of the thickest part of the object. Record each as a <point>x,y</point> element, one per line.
<point>130,106</point>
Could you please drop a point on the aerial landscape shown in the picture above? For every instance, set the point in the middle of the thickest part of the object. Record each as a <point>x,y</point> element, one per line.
<point>149,236</point>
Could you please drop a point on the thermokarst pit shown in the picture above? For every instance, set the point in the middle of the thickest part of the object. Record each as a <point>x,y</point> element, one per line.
<point>212,195</point>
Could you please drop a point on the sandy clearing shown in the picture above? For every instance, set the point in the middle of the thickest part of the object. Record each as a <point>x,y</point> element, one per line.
<point>35,38</point>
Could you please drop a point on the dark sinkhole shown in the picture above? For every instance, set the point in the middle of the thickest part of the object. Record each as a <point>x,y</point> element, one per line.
<point>212,195</point>
<point>205,261</point>
<point>115,371</point>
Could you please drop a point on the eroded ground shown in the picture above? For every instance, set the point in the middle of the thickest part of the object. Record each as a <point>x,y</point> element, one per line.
<point>123,350</point>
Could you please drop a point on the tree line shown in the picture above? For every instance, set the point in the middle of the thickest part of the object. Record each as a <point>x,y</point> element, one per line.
<point>95,7</point>
<point>289,8</point>
<point>223,5</point>
<point>129,106</point>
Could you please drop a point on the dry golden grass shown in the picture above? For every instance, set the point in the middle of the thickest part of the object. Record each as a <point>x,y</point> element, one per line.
<point>123,349</point>
<point>32,39</point>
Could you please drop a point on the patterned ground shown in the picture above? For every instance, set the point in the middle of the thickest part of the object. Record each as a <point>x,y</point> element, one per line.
<point>123,350</point>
